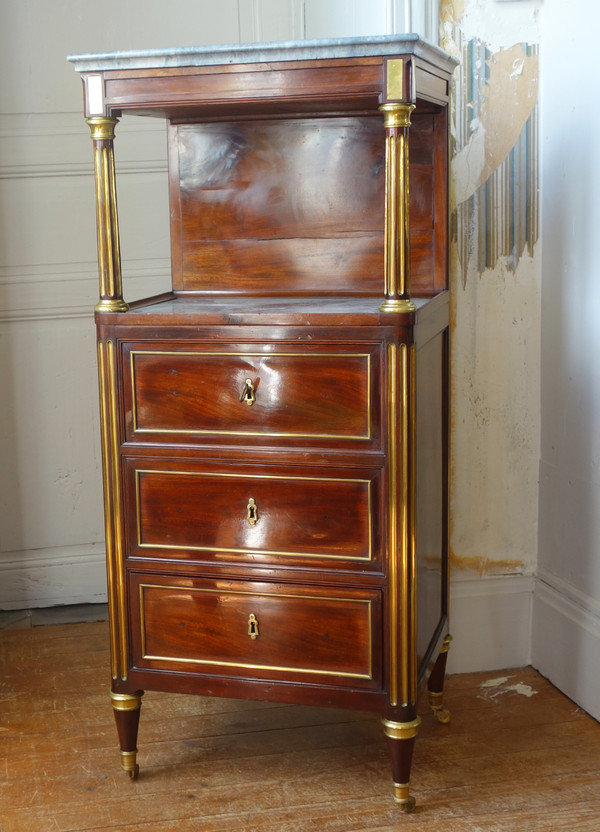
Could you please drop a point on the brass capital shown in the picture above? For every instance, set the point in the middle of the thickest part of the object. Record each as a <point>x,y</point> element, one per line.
<point>397,115</point>
<point>401,730</point>
<point>102,127</point>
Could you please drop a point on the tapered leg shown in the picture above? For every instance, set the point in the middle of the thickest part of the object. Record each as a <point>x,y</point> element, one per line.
<point>401,741</point>
<point>435,684</point>
<point>126,708</point>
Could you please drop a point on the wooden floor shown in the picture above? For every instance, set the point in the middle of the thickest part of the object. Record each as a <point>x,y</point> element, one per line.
<point>517,755</point>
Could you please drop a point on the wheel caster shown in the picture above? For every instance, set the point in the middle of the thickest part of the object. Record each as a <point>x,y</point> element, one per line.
<point>442,715</point>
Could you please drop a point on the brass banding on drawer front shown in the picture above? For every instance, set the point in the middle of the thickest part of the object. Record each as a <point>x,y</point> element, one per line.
<point>259,630</point>
<point>201,393</point>
<point>186,509</point>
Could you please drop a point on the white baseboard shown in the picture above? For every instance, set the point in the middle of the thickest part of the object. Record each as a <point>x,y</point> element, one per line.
<point>490,622</point>
<point>52,577</point>
<point>566,640</point>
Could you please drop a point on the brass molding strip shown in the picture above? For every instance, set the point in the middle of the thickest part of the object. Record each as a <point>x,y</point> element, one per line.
<point>401,543</point>
<point>203,432</point>
<point>364,558</point>
<point>105,441</point>
<point>393,408</point>
<point>119,576</point>
<point>252,666</point>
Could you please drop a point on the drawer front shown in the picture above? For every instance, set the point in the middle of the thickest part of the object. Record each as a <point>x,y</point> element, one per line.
<point>194,394</point>
<point>182,511</point>
<point>258,630</point>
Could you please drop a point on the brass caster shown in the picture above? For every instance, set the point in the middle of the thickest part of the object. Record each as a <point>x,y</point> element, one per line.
<point>435,703</point>
<point>405,801</point>
<point>129,764</point>
<point>442,715</point>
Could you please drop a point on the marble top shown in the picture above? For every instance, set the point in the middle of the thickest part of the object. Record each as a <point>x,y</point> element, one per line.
<point>299,50</point>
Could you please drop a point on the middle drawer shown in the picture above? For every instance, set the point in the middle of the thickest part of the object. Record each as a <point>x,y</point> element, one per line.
<point>186,510</point>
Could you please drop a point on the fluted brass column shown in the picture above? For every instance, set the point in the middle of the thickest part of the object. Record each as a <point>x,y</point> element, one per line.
<point>397,241</point>
<point>107,223</point>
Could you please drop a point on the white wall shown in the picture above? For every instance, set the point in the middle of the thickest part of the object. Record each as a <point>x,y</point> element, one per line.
<point>51,526</point>
<point>566,632</point>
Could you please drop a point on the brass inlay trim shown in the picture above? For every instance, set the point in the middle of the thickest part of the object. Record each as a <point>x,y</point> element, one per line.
<point>203,432</point>
<point>252,665</point>
<point>169,547</point>
<point>401,730</point>
<point>119,576</point>
<point>105,442</point>
<point>395,78</point>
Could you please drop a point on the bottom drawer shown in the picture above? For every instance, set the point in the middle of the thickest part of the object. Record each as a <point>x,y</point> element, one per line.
<point>255,630</point>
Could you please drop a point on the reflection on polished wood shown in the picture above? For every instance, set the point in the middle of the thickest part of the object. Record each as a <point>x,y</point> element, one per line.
<point>507,762</point>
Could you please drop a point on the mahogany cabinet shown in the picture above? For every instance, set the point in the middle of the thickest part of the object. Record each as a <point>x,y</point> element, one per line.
<point>275,428</point>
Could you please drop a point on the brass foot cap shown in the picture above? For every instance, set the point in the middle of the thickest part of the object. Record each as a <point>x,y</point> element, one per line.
<point>406,802</point>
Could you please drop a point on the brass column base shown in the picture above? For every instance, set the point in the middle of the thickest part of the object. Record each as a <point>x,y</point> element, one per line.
<point>111,305</point>
<point>398,305</point>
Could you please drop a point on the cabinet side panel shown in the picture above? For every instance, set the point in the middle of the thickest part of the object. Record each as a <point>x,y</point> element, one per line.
<point>431,493</point>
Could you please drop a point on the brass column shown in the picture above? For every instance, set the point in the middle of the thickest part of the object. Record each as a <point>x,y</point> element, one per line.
<point>397,241</point>
<point>107,224</point>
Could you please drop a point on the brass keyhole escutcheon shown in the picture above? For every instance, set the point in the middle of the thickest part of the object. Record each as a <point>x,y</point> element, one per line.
<point>252,512</point>
<point>248,396</point>
<point>253,627</point>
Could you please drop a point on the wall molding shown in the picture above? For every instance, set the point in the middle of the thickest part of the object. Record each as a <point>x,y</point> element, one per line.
<point>490,621</point>
<point>41,145</point>
<point>566,640</point>
<point>54,576</point>
<point>70,290</point>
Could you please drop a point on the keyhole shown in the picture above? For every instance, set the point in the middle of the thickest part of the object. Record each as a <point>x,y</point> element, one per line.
<point>253,627</point>
<point>252,512</point>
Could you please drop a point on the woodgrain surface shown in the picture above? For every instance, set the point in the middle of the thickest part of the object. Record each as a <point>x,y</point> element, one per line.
<point>507,762</point>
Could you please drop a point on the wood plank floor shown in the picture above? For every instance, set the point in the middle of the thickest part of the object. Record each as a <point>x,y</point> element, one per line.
<point>517,755</point>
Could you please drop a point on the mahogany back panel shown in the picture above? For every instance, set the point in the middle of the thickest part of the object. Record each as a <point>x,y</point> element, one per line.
<point>294,206</point>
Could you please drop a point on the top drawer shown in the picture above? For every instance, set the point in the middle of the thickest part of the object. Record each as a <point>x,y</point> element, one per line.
<point>177,392</point>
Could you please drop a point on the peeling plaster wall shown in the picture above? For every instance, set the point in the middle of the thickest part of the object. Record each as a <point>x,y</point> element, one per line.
<point>496,276</point>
